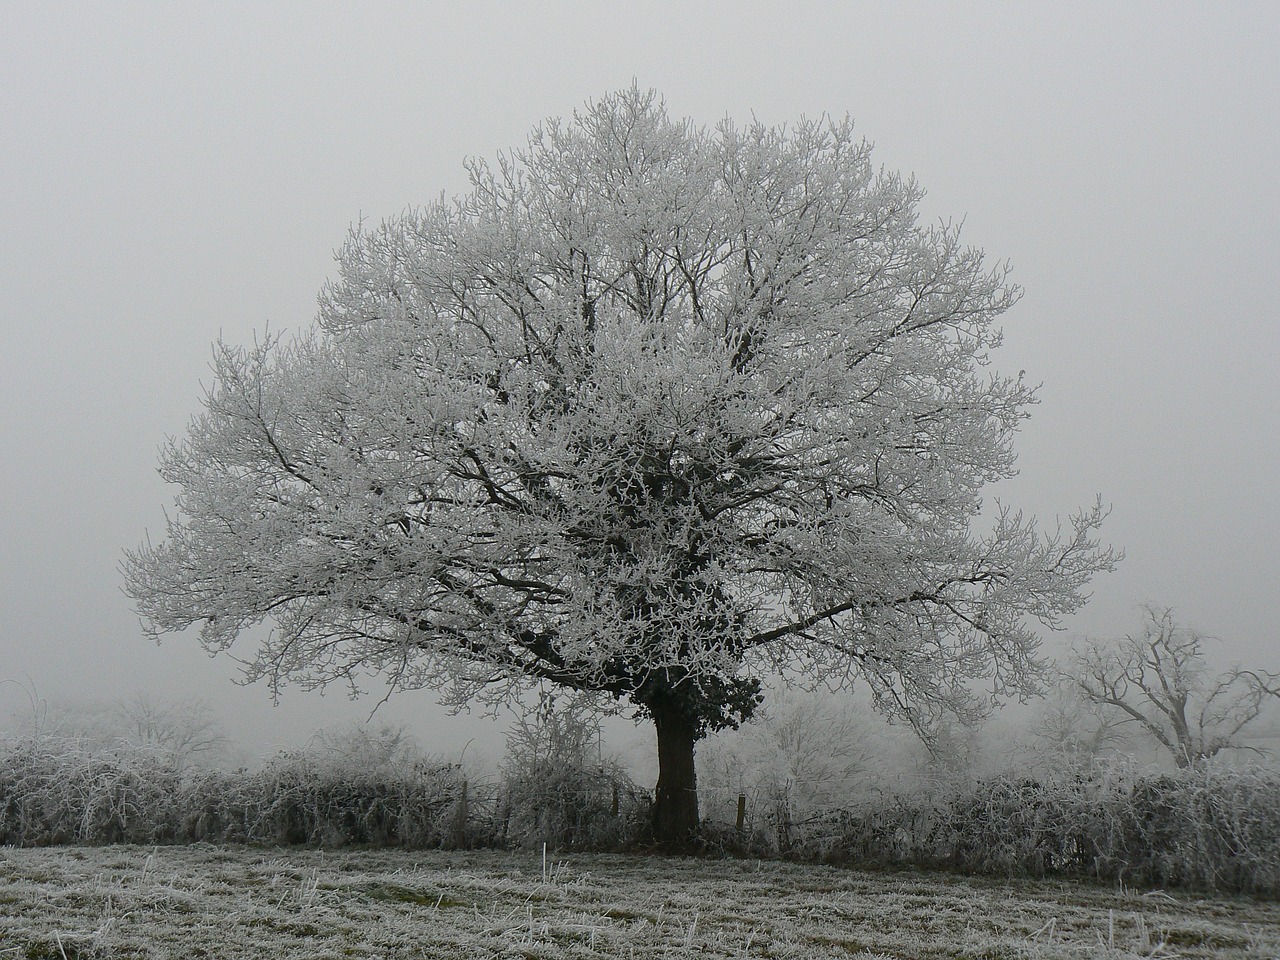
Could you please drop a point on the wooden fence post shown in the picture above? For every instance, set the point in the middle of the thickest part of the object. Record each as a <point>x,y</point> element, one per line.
<point>460,819</point>
<point>742,811</point>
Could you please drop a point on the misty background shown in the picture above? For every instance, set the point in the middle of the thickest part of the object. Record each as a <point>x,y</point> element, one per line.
<point>172,173</point>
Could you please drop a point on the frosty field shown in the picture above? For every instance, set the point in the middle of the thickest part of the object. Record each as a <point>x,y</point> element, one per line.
<point>190,902</point>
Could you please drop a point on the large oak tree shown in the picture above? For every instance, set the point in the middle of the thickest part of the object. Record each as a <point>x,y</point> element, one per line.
<point>651,411</point>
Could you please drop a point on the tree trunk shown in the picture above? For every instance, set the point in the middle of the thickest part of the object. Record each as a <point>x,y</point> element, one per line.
<point>675,803</point>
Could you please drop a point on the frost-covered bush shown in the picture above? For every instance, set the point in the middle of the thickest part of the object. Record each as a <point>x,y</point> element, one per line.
<point>300,798</point>
<point>1204,828</point>
<point>572,807</point>
<point>56,791</point>
<point>558,787</point>
<point>1207,827</point>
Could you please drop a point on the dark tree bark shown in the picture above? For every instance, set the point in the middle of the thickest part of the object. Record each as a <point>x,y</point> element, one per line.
<point>675,806</point>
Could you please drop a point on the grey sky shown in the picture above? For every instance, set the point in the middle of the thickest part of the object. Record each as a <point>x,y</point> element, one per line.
<point>172,171</point>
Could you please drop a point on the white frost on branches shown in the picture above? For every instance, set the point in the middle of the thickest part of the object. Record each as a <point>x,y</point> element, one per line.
<point>651,410</point>
<point>1159,679</point>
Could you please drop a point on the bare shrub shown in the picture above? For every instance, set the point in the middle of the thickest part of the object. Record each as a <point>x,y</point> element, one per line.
<point>58,791</point>
<point>1206,827</point>
<point>303,798</point>
<point>559,788</point>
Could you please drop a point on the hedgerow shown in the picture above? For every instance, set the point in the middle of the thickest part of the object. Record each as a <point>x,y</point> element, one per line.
<point>54,791</point>
<point>1207,827</point>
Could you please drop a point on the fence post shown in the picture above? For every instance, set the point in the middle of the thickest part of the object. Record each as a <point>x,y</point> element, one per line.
<point>742,811</point>
<point>460,821</point>
<point>783,809</point>
<point>613,808</point>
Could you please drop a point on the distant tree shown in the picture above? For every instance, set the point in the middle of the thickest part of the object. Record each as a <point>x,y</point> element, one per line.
<point>1159,679</point>
<point>954,752</point>
<point>386,749</point>
<point>1070,727</point>
<point>652,412</point>
<point>800,752</point>
<point>811,746</point>
<point>187,731</point>
<point>181,732</point>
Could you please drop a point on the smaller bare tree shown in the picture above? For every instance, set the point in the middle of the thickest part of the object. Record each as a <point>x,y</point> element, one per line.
<point>1159,679</point>
<point>563,732</point>
<point>559,785</point>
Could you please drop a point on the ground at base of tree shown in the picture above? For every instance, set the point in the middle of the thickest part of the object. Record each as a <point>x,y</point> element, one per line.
<point>234,902</point>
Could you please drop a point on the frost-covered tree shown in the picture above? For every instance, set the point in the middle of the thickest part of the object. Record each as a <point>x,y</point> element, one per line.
<point>188,731</point>
<point>181,732</point>
<point>802,751</point>
<point>1160,680</point>
<point>651,411</point>
<point>383,750</point>
<point>1073,730</point>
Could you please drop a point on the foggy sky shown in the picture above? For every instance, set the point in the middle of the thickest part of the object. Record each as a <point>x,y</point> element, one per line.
<point>173,172</point>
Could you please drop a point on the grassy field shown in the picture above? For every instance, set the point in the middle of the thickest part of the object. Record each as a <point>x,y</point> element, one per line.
<point>231,903</point>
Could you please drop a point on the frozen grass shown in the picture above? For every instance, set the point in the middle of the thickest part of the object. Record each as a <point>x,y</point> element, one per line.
<point>234,902</point>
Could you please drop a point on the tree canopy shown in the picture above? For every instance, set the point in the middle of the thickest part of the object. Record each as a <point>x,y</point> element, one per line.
<point>652,411</point>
